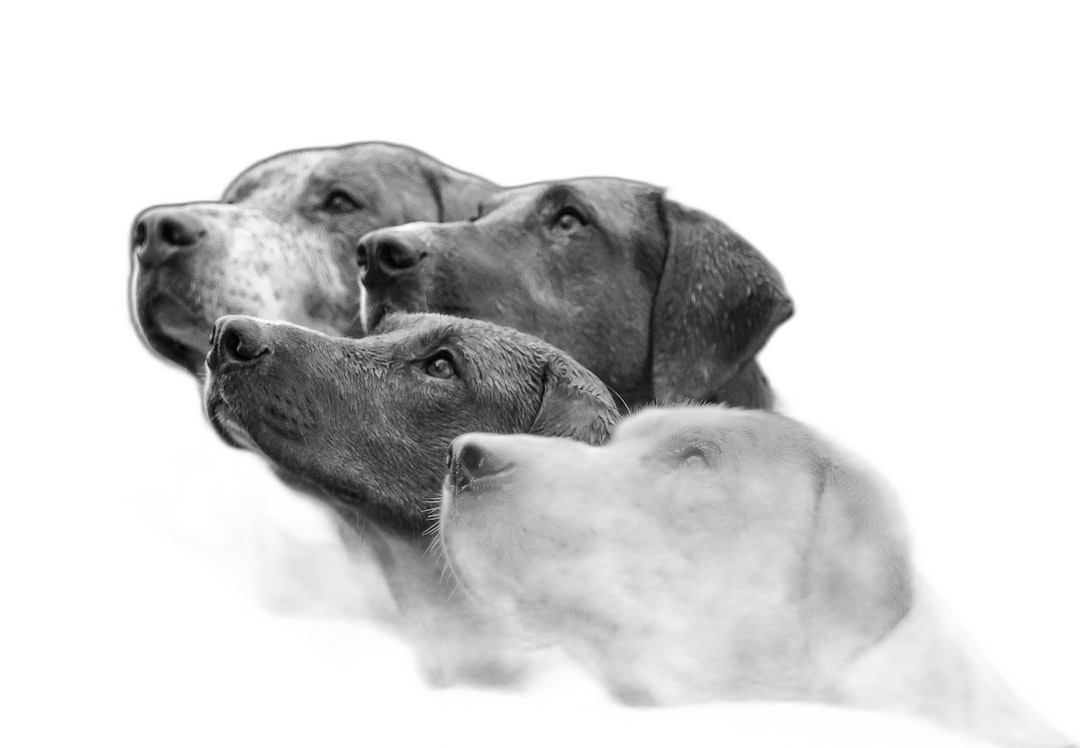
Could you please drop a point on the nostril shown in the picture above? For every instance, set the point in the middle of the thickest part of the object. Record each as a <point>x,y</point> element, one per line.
<point>472,459</point>
<point>139,236</point>
<point>237,348</point>
<point>178,234</point>
<point>395,256</point>
<point>361,257</point>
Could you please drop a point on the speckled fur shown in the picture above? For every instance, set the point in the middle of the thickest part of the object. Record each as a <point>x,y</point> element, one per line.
<point>272,248</point>
<point>362,422</point>
<point>715,553</point>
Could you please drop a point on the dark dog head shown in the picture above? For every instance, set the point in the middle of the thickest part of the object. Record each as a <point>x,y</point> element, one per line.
<point>367,422</point>
<point>702,552</point>
<point>281,241</point>
<point>660,301</point>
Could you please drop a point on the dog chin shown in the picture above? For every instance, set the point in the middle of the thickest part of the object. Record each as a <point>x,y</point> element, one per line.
<point>172,329</point>
<point>231,432</point>
<point>481,586</point>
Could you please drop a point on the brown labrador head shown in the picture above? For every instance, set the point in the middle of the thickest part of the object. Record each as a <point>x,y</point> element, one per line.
<point>281,241</point>
<point>660,301</point>
<point>369,420</point>
<point>702,552</point>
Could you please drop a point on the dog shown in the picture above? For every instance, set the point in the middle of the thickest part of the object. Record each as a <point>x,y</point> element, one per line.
<point>367,422</point>
<point>281,245</point>
<point>662,302</point>
<point>281,241</point>
<point>715,553</point>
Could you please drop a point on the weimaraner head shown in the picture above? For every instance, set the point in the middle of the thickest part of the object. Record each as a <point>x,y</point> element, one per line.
<point>281,241</point>
<point>368,421</point>
<point>660,301</point>
<point>364,425</point>
<point>701,553</point>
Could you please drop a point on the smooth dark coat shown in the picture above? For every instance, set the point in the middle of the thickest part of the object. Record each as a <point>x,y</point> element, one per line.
<point>662,302</point>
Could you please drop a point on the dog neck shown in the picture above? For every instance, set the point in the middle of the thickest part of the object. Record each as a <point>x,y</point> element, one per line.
<point>454,642</point>
<point>925,667</point>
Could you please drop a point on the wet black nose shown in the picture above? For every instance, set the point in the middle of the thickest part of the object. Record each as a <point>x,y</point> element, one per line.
<point>237,340</point>
<point>381,255</point>
<point>468,461</point>
<point>161,233</point>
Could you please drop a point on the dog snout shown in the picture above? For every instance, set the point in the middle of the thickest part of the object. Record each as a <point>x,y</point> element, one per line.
<point>381,255</point>
<point>161,233</point>
<point>239,340</point>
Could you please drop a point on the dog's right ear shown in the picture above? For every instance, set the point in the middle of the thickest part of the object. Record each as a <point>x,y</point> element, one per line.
<point>457,193</point>
<point>859,576</point>
<point>574,404</point>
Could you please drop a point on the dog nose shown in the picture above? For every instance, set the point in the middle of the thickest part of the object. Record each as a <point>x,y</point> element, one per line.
<point>239,340</point>
<point>469,461</point>
<point>160,233</point>
<point>381,255</point>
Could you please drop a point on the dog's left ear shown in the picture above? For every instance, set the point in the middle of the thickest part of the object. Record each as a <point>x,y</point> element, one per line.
<point>458,193</point>
<point>718,302</point>
<point>859,577</point>
<point>574,404</point>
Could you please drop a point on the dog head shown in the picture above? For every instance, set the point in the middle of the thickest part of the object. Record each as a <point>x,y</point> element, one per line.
<point>369,420</point>
<point>281,241</point>
<point>702,552</point>
<point>660,301</point>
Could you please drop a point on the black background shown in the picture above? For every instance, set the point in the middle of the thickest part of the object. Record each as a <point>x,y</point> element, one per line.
<point>901,204</point>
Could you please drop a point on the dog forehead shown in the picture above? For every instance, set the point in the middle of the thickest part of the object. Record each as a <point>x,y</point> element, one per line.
<point>615,202</point>
<point>274,177</point>
<point>486,345</point>
<point>662,424</point>
<point>367,162</point>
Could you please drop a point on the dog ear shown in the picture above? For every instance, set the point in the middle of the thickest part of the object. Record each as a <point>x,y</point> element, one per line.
<point>457,193</point>
<point>859,576</point>
<point>718,302</point>
<point>573,404</point>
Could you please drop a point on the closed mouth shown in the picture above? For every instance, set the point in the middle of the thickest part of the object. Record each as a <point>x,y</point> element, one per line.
<point>173,329</point>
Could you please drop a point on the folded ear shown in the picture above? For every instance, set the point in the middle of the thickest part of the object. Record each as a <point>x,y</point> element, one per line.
<point>574,404</point>
<point>457,193</point>
<point>718,302</point>
<point>859,580</point>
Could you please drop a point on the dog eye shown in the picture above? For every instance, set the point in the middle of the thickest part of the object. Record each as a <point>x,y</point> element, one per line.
<point>693,457</point>
<point>569,219</point>
<point>440,366</point>
<point>339,201</point>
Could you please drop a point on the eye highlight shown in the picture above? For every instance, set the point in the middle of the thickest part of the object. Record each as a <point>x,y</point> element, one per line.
<point>569,220</point>
<point>339,201</point>
<point>693,457</point>
<point>440,366</point>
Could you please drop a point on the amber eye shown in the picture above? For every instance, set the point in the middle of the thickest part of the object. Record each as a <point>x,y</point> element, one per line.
<point>440,366</point>
<point>569,220</point>
<point>339,201</point>
<point>693,457</point>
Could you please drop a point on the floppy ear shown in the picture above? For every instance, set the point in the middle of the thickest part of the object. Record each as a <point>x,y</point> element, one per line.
<point>457,193</point>
<point>573,404</point>
<point>859,576</point>
<point>717,304</point>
